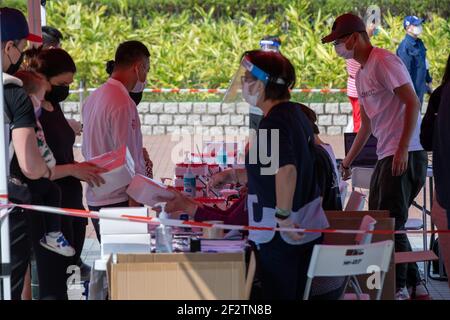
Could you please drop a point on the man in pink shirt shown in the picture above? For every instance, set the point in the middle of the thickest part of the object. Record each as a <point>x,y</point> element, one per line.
<point>389,111</point>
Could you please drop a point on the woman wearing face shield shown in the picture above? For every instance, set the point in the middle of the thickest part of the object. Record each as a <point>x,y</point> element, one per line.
<point>282,184</point>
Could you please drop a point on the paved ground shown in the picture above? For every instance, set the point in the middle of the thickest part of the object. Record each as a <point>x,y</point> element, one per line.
<point>160,149</point>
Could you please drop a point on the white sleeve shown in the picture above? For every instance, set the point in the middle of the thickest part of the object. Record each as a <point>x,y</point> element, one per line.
<point>392,73</point>
<point>122,133</point>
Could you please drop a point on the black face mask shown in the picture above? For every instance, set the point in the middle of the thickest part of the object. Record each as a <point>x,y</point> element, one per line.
<point>14,67</point>
<point>57,94</point>
<point>136,96</point>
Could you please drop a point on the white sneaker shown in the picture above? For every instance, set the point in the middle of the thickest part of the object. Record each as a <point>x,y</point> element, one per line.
<point>402,294</point>
<point>57,243</point>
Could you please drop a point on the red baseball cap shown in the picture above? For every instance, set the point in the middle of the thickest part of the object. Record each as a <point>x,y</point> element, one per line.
<point>344,25</point>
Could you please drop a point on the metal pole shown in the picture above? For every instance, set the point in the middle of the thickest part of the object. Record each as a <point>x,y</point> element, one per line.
<point>5,256</point>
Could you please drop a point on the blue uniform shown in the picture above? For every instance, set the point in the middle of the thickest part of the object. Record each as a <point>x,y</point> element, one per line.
<point>413,53</point>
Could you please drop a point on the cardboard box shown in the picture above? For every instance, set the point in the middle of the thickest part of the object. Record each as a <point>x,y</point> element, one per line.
<point>146,191</point>
<point>108,227</point>
<point>125,243</point>
<point>120,166</point>
<point>177,276</point>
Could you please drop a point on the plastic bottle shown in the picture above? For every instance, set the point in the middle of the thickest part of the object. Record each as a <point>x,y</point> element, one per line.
<point>189,183</point>
<point>163,235</point>
<point>222,158</point>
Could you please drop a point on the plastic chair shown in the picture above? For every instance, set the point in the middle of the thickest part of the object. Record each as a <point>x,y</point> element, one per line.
<point>367,224</point>
<point>347,261</point>
<point>361,177</point>
<point>355,201</point>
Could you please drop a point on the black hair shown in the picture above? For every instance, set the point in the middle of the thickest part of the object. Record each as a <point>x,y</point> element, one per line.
<point>130,52</point>
<point>110,67</point>
<point>277,66</point>
<point>49,62</point>
<point>312,117</point>
<point>51,36</point>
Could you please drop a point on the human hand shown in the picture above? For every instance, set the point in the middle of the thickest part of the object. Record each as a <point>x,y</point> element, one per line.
<point>346,171</point>
<point>220,179</point>
<point>288,223</point>
<point>178,203</point>
<point>400,161</point>
<point>76,126</point>
<point>89,173</point>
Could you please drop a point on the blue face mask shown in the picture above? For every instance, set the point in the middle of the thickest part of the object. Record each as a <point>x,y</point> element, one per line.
<point>376,31</point>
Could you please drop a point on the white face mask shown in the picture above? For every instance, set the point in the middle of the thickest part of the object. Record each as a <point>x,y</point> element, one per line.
<point>139,87</point>
<point>343,52</point>
<point>417,30</point>
<point>251,99</point>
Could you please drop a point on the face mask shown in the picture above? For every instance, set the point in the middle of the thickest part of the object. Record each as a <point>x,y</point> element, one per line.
<point>140,86</point>
<point>251,99</point>
<point>136,97</point>
<point>417,30</point>
<point>37,105</point>
<point>57,94</point>
<point>343,52</point>
<point>376,32</point>
<point>14,67</point>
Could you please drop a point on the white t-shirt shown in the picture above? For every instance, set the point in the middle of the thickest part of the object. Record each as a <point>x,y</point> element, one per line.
<point>111,120</point>
<point>375,83</point>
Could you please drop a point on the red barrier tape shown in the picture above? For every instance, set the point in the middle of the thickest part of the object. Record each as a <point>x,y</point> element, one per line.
<point>173,222</point>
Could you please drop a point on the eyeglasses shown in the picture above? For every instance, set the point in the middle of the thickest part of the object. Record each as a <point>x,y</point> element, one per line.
<point>342,39</point>
<point>247,79</point>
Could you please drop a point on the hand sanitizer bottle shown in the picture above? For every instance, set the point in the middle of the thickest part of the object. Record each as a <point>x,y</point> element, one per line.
<point>189,183</point>
<point>163,235</point>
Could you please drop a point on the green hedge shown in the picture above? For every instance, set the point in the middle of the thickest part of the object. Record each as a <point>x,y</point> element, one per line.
<point>205,51</point>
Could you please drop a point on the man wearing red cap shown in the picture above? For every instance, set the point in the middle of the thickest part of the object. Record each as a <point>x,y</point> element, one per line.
<point>27,161</point>
<point>390,111</point>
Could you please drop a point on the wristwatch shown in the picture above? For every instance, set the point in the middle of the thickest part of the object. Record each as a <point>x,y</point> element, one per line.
<point>282,214</point>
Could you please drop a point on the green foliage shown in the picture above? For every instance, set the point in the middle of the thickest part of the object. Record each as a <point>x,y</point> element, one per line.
<point>196,47</point>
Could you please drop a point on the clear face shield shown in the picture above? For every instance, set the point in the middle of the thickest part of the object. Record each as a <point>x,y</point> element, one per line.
<point>248,84</point>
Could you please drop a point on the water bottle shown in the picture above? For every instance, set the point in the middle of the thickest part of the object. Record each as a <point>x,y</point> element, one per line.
<point>189,183</point>
<point>222,159</point>
<point>163,236</point>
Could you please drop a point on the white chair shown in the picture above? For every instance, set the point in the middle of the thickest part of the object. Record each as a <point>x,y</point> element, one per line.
<point>367,224</point>
<point>347,261</point>
<point>361,177</point>
<point>355,202</point>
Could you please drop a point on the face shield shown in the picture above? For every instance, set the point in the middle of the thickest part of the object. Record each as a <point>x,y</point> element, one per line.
<point>248,83</point>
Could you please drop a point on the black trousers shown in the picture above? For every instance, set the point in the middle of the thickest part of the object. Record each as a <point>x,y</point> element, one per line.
<point>95,222</point>
<point>20,248</point>
<point>396,194</point>
<point>284,267</point>
<point>26,229</point>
